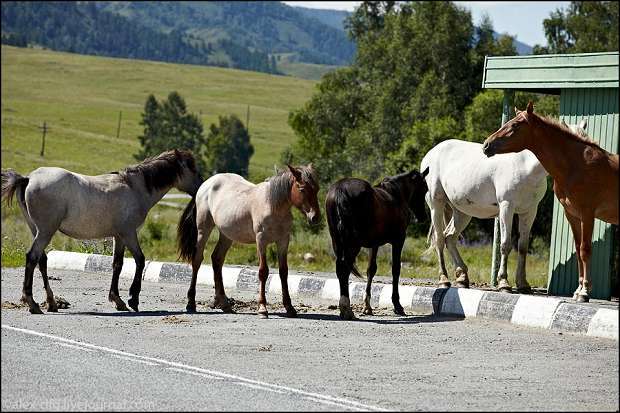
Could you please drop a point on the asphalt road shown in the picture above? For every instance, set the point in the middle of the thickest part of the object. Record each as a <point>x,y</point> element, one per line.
<point>90,357</point>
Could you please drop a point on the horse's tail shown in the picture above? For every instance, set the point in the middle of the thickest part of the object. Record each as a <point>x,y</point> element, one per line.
<point>342,225</point>
<point>13,183</point>
<point>431,238</point>
<point>187,232</point>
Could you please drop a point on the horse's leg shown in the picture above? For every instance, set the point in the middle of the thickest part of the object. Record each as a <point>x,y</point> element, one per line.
<point>52,307</point>
<point>33,256</point>
<point>204,228</point>
<point>283,270</point>
<point>131,241</point>
<point>525,225</point>
<point>506,212</point>
<point>397,248</point>
<point>217,260</point>
<point>455,227</point>
<point>263,273</point>
<point>370,273</point>
<point>437,217</point>
<point>343,269</point>
<point>587,225</point>
<point>575,225</point>
<point>117,266</point>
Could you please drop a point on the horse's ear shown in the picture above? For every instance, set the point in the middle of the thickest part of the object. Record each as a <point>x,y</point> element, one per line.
<point>296,172</point>
<point>516,111</point>
<point>584,123</point>
<point>530,107</point>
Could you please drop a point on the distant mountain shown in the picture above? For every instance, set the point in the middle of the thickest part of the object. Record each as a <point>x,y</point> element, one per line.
<point>260,26</point>
<point>333,18</point>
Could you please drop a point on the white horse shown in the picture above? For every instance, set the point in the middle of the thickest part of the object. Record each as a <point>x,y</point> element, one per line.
<point>464,183</point>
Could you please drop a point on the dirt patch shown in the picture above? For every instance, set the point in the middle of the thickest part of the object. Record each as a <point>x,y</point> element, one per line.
<point>9,305</point>
<point>60,302</point>
<point>172,319</point>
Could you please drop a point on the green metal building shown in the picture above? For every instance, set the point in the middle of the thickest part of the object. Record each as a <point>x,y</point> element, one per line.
<point>587,84</point>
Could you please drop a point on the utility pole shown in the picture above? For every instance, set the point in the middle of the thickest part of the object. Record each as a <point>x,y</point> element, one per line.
<point>118,129</point>
<point>44,128</point>
<point>247,120</point>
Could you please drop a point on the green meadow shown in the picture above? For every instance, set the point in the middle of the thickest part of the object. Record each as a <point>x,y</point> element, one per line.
<point>80,97</point>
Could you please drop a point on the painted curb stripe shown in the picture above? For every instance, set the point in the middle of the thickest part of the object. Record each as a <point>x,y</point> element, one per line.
<point>427,300</point>
<point>461,302</point>
<point>535,311</point>
<point>497,306</point>
<point>65,260</point>
<point>604,324</point>
<point>573,317</point>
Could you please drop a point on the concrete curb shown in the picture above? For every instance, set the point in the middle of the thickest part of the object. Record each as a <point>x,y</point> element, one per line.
<point>552,313</point>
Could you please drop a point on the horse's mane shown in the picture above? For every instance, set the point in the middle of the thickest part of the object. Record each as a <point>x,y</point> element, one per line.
<point>390,184</point>
<point>280,184</point>
<point>579,137</point>
<point>159,171</point>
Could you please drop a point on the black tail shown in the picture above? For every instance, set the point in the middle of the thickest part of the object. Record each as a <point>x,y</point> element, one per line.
<point>341,223</point>
<point>187,233</point>
<point>13,182</point>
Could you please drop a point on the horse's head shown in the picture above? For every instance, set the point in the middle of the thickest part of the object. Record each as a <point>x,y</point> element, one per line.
<point>418,192</point>
<point>304,192</point>
<point>412,188</point>
<point>188,178</point>
<point>513,135</point>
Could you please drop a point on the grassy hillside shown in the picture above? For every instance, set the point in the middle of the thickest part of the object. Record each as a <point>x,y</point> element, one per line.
<point>80,98</point>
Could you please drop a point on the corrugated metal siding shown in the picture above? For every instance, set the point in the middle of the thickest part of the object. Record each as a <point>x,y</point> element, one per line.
<point>586,70</point>
<point>600,107</point>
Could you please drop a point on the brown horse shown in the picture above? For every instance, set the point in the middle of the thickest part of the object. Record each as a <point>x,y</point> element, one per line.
<point>585,176</point>
<point>361,215</point>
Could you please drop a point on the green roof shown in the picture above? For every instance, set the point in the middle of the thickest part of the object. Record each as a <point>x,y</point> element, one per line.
<point>550,73</point>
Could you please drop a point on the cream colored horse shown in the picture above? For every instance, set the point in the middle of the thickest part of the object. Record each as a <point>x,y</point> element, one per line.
<point>90,207</point>
<point>247,213</point>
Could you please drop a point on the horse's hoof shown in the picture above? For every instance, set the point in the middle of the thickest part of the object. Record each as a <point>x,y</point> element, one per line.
<point>367,311</point>
<point>52,308</point>
<point>121,307</point>
<point>460,284</point>
<point>347,315</point>
<point>525,290</point>
<point>399,311</point>
<point>291,312</point>
<point>35,309</point>
<point>263,315</point>
<point>190,308</point>
<point>444,284</point>
<point>507,290</point>
<point>583,298</point>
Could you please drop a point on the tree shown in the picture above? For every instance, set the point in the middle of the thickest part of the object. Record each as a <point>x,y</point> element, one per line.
<point>228,147</point>
<point>168,125</point>
<point>586,26</point>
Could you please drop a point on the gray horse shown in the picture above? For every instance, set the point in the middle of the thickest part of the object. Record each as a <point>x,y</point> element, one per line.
<point>92,207</point>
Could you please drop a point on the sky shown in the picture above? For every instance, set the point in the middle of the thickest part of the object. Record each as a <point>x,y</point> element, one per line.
<point>523,19</point>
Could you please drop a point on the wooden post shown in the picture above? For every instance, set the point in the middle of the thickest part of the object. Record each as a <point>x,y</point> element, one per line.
<point>118,129</point>
<point>44,128</point>
<point>507,105</point>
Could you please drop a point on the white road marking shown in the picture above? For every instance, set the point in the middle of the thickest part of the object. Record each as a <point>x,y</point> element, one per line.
<point>134,359</point>
<point>320,398</point>
<point>75,347</point>
<point>258,387</point>
<point>208,376</point>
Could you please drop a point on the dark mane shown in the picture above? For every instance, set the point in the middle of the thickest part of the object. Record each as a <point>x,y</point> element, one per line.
<point>569,133</point>
<point>159,171</point>
<point>391,184</point>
